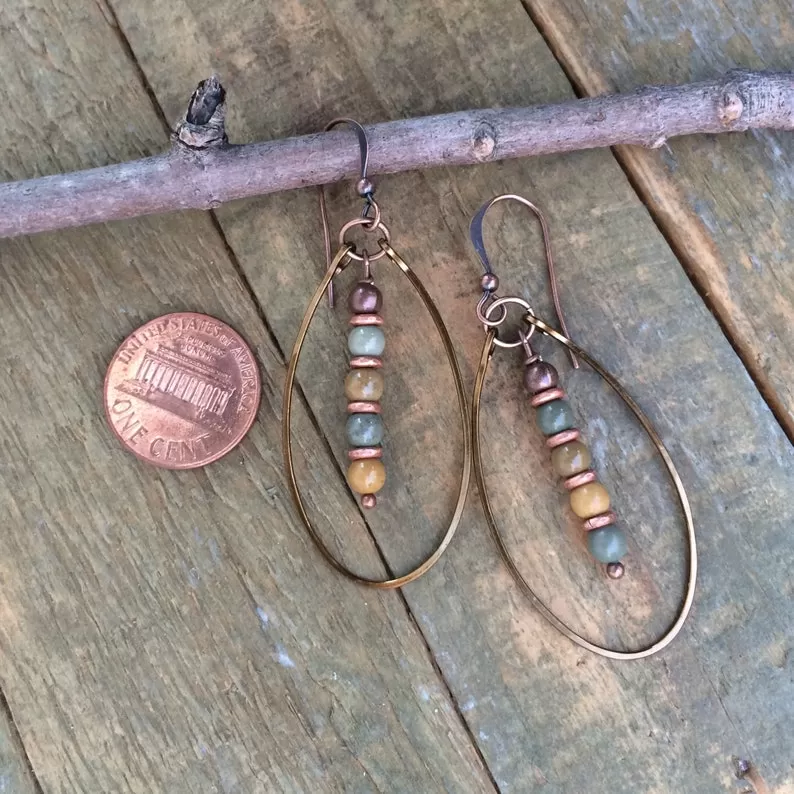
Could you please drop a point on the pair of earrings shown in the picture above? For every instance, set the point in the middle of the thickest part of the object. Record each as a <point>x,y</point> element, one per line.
<point>364,383</point>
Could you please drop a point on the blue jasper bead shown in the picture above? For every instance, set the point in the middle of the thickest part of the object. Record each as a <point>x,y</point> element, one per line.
<point>364,430</point>
<point>554,417</point>
<point>607,544</point>
<point>366,340</point>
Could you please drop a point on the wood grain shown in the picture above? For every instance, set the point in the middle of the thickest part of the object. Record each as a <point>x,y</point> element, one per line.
<point>724,205</point>
<point>546,717</point>
<point>15,774</point>
<point>164,631</point>
<point>206,173</point>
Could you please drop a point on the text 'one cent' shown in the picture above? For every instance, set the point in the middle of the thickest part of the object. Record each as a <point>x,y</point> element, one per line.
<point>182,390</point>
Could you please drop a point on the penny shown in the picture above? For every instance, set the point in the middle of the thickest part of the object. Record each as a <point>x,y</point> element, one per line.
<point>182,391</point>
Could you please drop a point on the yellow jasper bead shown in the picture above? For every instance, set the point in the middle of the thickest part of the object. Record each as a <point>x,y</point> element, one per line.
<point>569,459</point>
<point>589,500</point>
<point>366,476</point>
<point>364,384</point>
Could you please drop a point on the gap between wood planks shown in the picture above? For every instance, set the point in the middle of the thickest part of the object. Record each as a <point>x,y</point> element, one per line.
<point>684,233</point>
<point>125,44</point>
<point>18,744</point>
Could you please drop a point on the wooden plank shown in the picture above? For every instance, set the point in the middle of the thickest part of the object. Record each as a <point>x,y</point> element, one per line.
<point>170,631</point>
<point>15,773</point>
<point>546,716</point>
<point>724,203</point>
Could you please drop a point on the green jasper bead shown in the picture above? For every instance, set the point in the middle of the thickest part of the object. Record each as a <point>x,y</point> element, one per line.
<point>364,430</point>
<point>366,340</point>
<point>554,417</point>
<point>607,544</point>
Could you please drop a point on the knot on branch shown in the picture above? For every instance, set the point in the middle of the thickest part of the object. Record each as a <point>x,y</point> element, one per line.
<point>730,108</point>
<point>204,124</point>
<point>483,142</point>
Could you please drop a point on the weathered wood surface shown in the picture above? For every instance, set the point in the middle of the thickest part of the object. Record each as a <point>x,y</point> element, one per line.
<point>15,774</point>
<point>172,632</point>
<point>546,717</point>
<point>208,173</point>
<point>725,205</point>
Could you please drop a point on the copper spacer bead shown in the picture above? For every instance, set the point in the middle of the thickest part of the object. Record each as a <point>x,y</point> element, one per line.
<point>546,396</point>
<point>540,376</point>
<point>366,319</point>
<point>365,453</point>
<point>368,501</point>
<point>363,407</point>
<point>604,520</point>
<point>583,478</point>
<point>362,362</point>
<point>615,570</point>
<point>365,298</point>
<point>562,438</point>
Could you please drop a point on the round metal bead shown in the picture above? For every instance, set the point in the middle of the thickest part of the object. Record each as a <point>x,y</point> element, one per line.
<point>365,298</point>
<point>364,187</point>
<point>540,376</point>
<point>615,570</point>
<point>489,282</point>
<point>369,500</point>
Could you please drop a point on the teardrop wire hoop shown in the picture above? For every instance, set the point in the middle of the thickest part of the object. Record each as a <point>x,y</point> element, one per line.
<point>337,265</point>
<point>490,518</point>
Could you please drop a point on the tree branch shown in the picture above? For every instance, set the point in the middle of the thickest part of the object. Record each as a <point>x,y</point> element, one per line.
<point>201,171</point>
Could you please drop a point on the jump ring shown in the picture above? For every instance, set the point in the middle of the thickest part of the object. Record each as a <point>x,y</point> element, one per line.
<point>503,303</point>
<point>368,227</point>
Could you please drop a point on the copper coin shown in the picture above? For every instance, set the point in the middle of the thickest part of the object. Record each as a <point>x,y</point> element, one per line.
<point>182,391</point>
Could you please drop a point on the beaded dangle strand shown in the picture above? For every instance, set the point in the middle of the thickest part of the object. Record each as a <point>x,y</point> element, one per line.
<point>570,459</point>
<point>366,341</point>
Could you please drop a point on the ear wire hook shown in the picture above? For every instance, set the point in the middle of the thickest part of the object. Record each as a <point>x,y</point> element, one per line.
<point>364,188</point>
<point>490,282</point>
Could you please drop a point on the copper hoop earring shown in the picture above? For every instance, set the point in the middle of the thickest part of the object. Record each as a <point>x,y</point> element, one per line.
<point>364,383</point>
<point>570,457</point>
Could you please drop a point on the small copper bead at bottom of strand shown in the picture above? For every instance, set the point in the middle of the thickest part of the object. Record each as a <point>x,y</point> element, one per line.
<point>615,570</point>
<point>369,500</point>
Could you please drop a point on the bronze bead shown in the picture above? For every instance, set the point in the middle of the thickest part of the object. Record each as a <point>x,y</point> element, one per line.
<point>368,501</point>
<point>540,376</point>
<point>365,298</point>
<point>615,570</point>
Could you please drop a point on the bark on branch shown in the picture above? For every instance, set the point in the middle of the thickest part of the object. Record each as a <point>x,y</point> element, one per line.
<point>202,170</point>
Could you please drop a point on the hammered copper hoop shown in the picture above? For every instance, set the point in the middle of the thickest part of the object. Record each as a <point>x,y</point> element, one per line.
<point>490,518</point>
<point>337,265</point>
